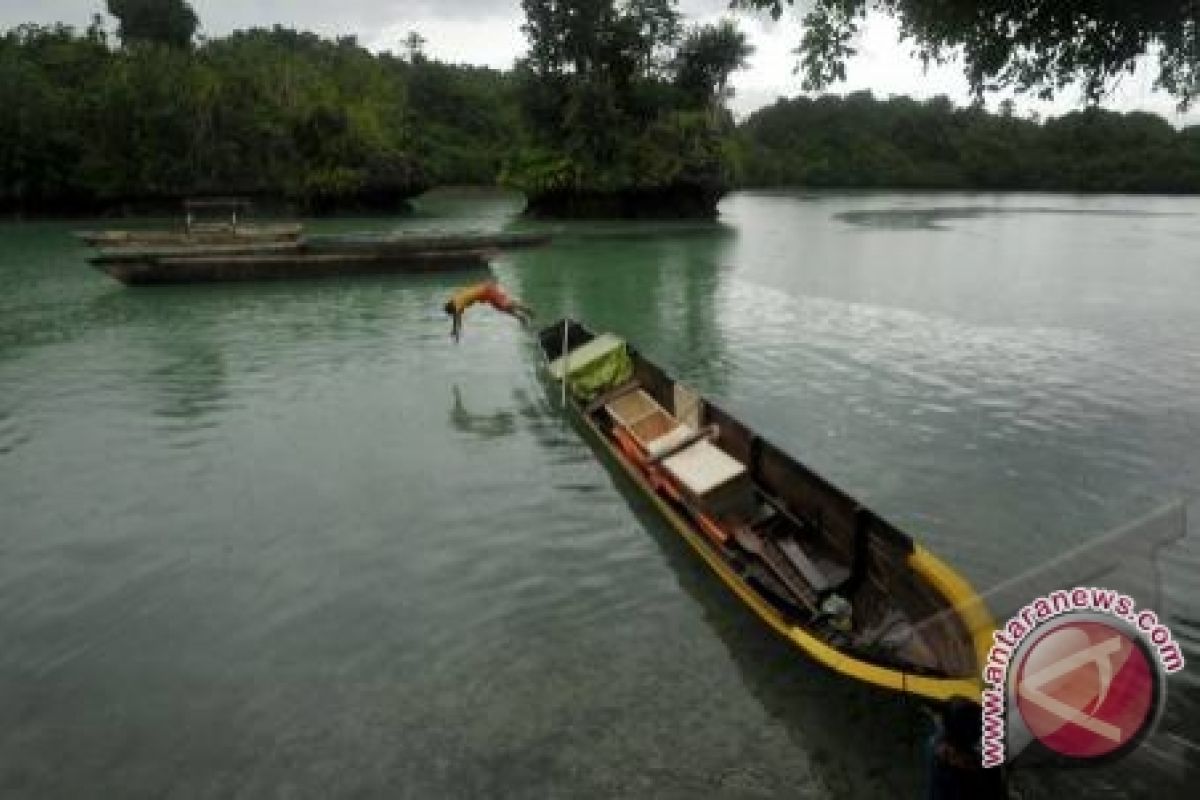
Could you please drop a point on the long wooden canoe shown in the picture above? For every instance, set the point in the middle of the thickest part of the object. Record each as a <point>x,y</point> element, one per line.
<point>308,257</point>
<point>829,575</point>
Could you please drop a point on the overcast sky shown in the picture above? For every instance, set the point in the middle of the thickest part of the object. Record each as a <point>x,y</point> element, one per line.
<point>488,32</point>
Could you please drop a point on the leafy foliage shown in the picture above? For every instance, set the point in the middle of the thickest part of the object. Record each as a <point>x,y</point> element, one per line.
<point>321,123</point>
<point>858,141</point>
<point>619,103</point>
<point>707,57</point>
<point>616,110</point>
<point>167,22</point>
<point>1035,45</point>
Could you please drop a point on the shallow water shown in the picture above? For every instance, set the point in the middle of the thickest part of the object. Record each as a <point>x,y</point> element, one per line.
<point>287,539</point>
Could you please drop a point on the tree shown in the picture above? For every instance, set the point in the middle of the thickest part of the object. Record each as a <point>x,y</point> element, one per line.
<point>617,114</point>
<point>903,143</point>
<point>414,45</point>
<point>1035,45</point>
<point>168,22</point>
<point>586,59</point>
<point>708,56</point>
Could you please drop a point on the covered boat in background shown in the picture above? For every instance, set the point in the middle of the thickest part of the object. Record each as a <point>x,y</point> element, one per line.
<point>831,576</point>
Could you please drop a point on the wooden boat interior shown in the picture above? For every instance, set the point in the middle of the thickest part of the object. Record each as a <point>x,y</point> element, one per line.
<point>817,556</point>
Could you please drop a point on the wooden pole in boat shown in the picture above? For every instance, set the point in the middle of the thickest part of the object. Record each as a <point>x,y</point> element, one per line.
<point>566,327</point>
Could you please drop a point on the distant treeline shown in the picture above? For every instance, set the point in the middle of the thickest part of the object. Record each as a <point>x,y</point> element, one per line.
<point>858,141</point>
<point>88,124</point>
<point>318,123</point>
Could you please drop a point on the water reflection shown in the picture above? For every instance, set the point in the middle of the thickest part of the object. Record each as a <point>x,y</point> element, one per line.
<point>932,219</point>
<point>633,231</point>
<point>11,436</point>
<point>643,282</point>
<point>485,426</point>
<point>191,382</point>
<point>835,723</point>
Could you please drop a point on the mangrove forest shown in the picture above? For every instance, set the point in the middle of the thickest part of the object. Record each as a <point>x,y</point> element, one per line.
<point>617,109</point>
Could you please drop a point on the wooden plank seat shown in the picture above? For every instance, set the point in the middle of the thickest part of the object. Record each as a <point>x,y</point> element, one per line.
<point>823,578</point>
<point>822,575</point>
<point>710,476</point>
<point>781,568</point>
<point>630,407</point>
<point>612,395</point>
<point>680,439</point>
<point>648,422</point>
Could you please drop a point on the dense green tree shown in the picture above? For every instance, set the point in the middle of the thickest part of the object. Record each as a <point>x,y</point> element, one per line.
<point>324,124</point>
<point>708,56</point>
<point>858,141</point>
<point>465,120</point>
<point>1038,45</point>
<point>414,45</point>
<point>602,95</point>
<point>167,22</point>
<point>320,123</point>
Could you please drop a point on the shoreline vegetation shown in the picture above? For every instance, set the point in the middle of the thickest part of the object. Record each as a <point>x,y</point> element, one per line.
<point>858,141</point>
<point>620,113</point>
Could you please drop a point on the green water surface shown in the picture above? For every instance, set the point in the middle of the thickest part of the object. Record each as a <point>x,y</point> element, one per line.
<point>287,539</point>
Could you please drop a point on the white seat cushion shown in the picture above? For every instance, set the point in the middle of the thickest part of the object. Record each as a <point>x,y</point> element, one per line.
<point>703,467</point>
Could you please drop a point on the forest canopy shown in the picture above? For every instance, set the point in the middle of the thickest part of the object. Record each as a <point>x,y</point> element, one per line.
<point>622,110</point>
<point>619,114</point>
<point>320,123</point>
<point>860,141</point>
<point>167,22</point>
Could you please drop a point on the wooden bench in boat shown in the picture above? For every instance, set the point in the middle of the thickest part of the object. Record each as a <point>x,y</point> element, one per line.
<point>716,481</point>
<point>822,575</point>
<point>721,486</point>
<point>604,399</point>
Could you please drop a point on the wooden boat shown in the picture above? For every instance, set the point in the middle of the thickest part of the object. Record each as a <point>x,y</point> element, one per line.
<point>309,257</point>
<point>294,263</point>
<point>832,577</point>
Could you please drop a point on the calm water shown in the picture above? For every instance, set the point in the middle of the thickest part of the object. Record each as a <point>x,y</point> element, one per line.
<point>288,540</point>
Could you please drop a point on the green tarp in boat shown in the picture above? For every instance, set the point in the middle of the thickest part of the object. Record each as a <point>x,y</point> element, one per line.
<point>595,367</point>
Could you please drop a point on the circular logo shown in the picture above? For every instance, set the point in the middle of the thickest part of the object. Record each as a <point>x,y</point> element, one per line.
<point>1087,688</point>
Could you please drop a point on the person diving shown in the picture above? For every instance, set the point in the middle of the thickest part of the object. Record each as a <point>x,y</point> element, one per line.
<point>487,292</point>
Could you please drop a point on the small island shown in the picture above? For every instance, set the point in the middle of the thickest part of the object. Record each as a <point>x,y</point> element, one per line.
<point>623,111</point>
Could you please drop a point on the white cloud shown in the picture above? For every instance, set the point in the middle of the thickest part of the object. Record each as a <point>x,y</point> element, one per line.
<point>484,41</point>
